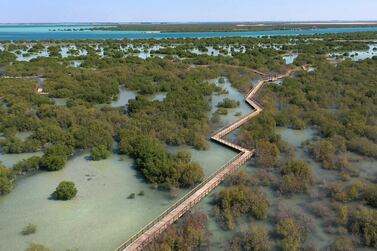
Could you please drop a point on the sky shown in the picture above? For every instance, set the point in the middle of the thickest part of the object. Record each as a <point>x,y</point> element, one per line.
<point>45,11</point>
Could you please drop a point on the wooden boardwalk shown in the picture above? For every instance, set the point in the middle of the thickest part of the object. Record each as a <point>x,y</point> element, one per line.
<point>167,218</point>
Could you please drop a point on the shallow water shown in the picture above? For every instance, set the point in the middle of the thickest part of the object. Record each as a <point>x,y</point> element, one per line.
<point>289,59</point>
<point>60,101</point>
<point>362,55</point>
<point>278,82</point>
<point>23,135</point>
<point>24,56</point>
<point>311,69</point>
<point>64,51</point>
<point>295,137</point>
<point>9,160</point>
<point>101,217</point>
<point>359,55</point>
<point>234,94</point>
<point>221,237</point>
<point>365,167</point>
<point>45,33</point>
<point>147,53</point>
<point>210,51</point>
<point>125,95</point>
<point>160,96</point>
<point>101,211</point>
<point>76,63</point>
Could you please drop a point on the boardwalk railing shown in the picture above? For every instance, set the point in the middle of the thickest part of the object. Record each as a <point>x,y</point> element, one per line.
<point>176,204</point>
<point>169,216</point>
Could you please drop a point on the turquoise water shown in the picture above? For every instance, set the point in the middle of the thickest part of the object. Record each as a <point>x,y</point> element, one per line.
<point>46,32</point>
<point>47,28</point>
<point>359,55</point>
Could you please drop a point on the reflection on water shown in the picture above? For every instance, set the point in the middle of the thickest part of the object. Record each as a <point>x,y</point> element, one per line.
<point>9,160</point>
<point>26,57</point>
<point>234,94</point>
<point>101,207</point>
<point>60,101</point>
<point>290,58</point>
<point>357,55</point>
<point>297,203</point>
<point>160,96</point>
<point>76,63</point>
<point>295,137</point>
<point>100,213</point>
<point>124,96</point>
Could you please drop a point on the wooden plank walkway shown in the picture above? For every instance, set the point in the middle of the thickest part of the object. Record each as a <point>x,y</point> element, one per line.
<point>167,218</point>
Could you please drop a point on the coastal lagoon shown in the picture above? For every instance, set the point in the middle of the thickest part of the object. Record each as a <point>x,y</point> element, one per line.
<point>102,216</point>
<point>80,32</point>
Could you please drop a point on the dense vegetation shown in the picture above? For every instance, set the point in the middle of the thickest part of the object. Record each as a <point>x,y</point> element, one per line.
<point>337,100</point>
<point>234,201</point>
<point>60,131</point>
<point>99,152</point>
<point>191,234</point>
<point>6,180</point>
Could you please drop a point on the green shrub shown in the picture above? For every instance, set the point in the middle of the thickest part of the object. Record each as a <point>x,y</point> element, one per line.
<point>297,177</point>
<point>233,202</point>
<point>363,147</point>
<point>228,103</point>
<point>6,180</point>
<point>364,225</point>
<point>323,151</point>
<point>52,162</point>
<point>66,190</point>
<point>6,57</point>
<point>100,152</point>
<point>290,233</point>
<point>159,167</point>
<point>141,193</point>
<point>371,196</point>
<point>267,154</point>
<point>257,238</point>
<point>29,229</point>
<point>221,111</point>
<point>342,244</point>
<point>28,165</point>
<point>37,247</point>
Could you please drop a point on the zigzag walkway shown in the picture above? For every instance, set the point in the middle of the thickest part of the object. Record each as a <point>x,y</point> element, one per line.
<point>167,218</point>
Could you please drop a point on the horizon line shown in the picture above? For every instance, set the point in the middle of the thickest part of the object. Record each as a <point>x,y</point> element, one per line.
<point>202,22</point>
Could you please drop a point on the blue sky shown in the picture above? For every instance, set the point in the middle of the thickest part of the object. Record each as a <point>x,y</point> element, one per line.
<point>13,11</point>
